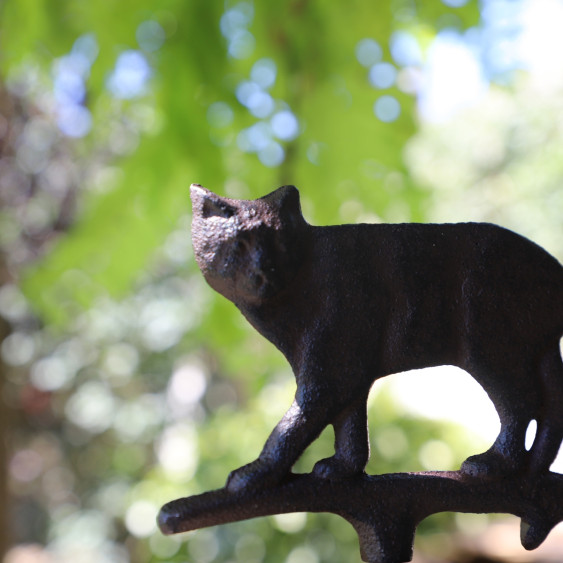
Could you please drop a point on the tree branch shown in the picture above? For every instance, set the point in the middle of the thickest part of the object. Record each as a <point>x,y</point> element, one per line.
<point>384,509</point>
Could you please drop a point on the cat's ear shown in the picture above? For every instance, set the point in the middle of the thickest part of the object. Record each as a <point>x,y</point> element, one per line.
<point>286,200</point>
<point>216,207</point>
<point>209,204</point>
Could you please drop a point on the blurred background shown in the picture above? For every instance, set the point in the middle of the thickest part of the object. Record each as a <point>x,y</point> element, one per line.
<point>126,382</point>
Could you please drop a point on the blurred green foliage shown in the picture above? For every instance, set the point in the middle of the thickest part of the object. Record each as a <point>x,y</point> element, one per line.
<point>130,383</point>
<point>339,147</point>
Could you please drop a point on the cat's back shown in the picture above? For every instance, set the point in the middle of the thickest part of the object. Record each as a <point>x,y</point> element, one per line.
<point>426,252</point>
<point>426,240</point>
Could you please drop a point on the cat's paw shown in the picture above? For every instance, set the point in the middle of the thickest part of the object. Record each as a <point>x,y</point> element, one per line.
<point>253,476</point>
<point>334,468</point>
<point>490,464</point>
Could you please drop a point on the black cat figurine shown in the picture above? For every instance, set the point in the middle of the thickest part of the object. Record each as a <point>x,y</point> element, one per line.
<point>350,304</point>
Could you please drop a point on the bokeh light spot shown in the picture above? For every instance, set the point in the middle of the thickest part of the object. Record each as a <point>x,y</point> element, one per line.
<point>177,452</point>
<point>255,138</point>
<point>455,3</point>
<point>121,361</point>
<point>164,321</point>
<point>18,348</point>
<point>50,374</point>
<point>382,75</point>
<point>164,547</point>
<point>150,36</point>
<point>26,465</point>
<point>74,120</point>
<point>436,455</point>
<point>391,443</point>
<point>315,151</point>
<point>368,52</point>
<point>69,86</point>
<point>203,546</point>
<point>242,45</point>
<point>387,109</point>
<point>250,548</point>
<point>245,90</point>
<point>140,518</point>
<point>303,554</point>
<point>87,46</point>
<point>220,115</point>
<point>185,389</point>
<point>405,49</point>
<point>272,154</point>
<point>285,125</point>
<point>135,419</point>
<point>264,73</point>
<point>236,19</point>
<point>92,407</point>
<point>130,76</point>
<point>13,305</point>
<point>260,104</point>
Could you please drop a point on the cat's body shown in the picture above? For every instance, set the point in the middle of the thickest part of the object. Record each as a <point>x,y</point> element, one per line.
<point>350,304</point>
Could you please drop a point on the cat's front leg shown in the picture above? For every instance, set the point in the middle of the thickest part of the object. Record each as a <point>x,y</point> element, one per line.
<point>300,425</point>
<point>351,444</point>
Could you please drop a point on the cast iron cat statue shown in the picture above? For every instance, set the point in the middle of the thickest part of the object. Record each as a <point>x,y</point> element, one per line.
<point>350,304</point>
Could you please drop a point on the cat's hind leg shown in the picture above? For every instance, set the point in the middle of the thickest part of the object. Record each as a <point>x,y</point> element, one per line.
<point>550,418</point>
<point>507,455</point>
<point>518,396</point>
<point>509,376</point>
<point>543,403</point>
<point>351,443</point>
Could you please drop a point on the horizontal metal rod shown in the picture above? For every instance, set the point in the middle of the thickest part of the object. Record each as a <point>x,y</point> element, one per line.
<point>384,509</point>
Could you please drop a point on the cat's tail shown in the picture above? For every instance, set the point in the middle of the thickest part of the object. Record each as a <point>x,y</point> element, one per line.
<point>549,434</point>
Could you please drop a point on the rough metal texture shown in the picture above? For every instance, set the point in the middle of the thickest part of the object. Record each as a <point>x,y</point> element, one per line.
<point>384,509</point>
<point>350,304</point>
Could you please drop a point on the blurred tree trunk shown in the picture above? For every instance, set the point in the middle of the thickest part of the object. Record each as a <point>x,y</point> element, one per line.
<point>6,114</point>
<point>18,247</point>
<point>6,111</point>
<point>5,502</point>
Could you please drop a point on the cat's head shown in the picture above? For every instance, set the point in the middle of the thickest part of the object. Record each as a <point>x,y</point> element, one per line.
<point>248,250</point>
